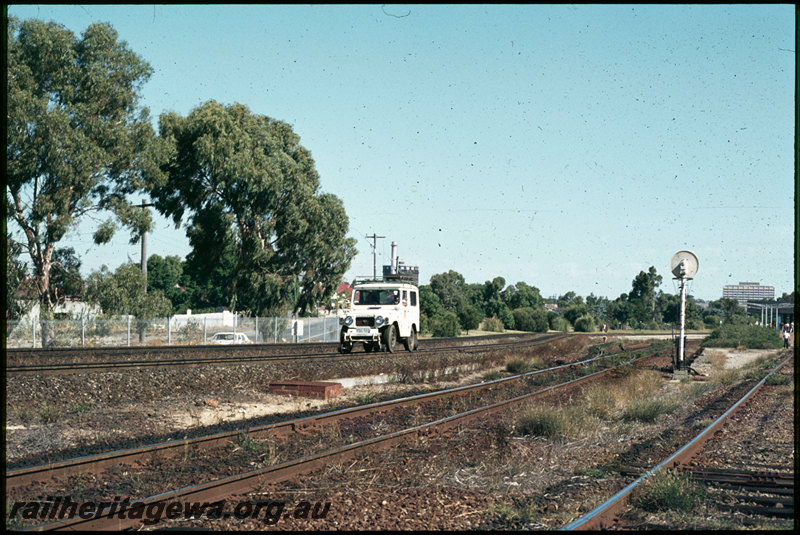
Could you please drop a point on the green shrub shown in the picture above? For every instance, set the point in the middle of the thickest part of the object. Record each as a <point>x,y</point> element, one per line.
<point>446,325</point>
<point>751,337</point>
<point>573,312</point>
<point>366,398</point>
<point>507,317</point>
<point>778,379</point>
<point>647,410</point>
<point>469,318</point>
<point>557,323</point>
<point>517,366</point>
<point>554,422</point>
<point>493,375</point>
<point>584,324</point>
<point>670,490</point>
<point>425,324</point>
<point>545,422</point>
<point>494,325</point>
<point>530,319</point>
<point>523,513</point>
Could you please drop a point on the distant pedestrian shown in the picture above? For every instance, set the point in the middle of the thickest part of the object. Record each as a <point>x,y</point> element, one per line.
<point>786,338</point>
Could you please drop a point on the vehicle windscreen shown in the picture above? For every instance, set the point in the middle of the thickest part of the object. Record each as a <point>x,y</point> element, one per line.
<point>224,337</point>
<point>377,297</point>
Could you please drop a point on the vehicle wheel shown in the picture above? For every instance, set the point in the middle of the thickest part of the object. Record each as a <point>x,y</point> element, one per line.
<point>411,341</point>
<point>390,338</point>
<point>344,346</point>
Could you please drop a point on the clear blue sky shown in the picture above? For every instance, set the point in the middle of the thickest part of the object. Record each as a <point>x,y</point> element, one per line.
<point>566,146</point>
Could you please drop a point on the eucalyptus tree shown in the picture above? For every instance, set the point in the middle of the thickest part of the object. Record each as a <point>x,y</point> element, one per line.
<point>65,276</point>
<point>522,295</point>
<point>492,296</point>
<point>244,182</point>
<point>16,280</point>
<point>166,274</point>
<point>77,141</point>
<point>644,294</point>
<point>449,287</point>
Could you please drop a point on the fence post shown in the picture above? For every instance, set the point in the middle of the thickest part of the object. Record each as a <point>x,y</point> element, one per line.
<point>256,329</point>
<point>129,330</point>
<point>83,332</point>
<point>169,331</point>
<point>34,331</point>
<point>205,321</point>
<point>276,329</point>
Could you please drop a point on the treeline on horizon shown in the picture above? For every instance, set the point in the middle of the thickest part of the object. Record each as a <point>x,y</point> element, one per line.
<point>450,305</point>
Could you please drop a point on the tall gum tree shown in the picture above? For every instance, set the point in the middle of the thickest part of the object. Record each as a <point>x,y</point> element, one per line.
<point>77,142</point>
<point>245,182</point>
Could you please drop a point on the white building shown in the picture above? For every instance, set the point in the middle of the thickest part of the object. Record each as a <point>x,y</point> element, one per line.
<point>76,309</point>
<point>748,291</point>
<point>211,319</point>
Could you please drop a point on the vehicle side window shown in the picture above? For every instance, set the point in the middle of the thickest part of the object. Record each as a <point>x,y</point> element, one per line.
<point>413,299</point>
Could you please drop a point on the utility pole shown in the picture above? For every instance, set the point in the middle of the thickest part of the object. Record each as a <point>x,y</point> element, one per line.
<point>374,254</point>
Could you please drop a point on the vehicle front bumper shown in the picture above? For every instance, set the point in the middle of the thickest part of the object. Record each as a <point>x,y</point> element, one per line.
<point>361,334</point>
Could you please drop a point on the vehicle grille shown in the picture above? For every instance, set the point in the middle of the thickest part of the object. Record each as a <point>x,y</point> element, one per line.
<point>365,322</point>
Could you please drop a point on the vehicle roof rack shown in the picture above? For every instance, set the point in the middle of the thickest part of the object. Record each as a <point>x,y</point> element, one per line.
<point>395,277</point>
<point>401,277</point>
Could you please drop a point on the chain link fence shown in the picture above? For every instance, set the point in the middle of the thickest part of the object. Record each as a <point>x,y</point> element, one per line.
<point>131,332</point>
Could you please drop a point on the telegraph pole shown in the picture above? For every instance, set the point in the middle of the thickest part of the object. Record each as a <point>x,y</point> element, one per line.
<point>374,254</point>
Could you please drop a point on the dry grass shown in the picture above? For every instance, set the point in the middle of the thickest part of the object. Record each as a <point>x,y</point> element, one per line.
<point>517,365</point>
<point>717,359</point>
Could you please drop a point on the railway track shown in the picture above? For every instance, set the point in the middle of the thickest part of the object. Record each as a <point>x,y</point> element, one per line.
<point>221,357</point>
<point>308,422</point>
<point>19,356</point>
<point>227,486</point>
<point>734,483</point>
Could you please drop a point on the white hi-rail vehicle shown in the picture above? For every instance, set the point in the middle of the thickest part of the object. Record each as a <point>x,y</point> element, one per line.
<point>383,312</point>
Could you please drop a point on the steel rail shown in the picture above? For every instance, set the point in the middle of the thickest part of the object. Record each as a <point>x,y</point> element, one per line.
<point>109,518</point>
<point>13,354</point>
<point>93,463</point>
<point>603,515</point>
<point>83,367</point>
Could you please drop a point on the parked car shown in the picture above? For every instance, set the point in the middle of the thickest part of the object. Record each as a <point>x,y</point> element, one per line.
<point>230,338</point>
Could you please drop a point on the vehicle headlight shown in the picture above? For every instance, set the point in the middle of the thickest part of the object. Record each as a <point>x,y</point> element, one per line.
<point>348,320</point>
<point>379,320</point>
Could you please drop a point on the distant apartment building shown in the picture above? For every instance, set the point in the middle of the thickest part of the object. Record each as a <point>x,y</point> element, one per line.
<point>748,291</point>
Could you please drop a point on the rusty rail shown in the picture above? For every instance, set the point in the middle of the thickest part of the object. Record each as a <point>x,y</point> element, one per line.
<point>95,463</point>
<point>602,517</point>
<point>241,483</point>
<point>221,360</point>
